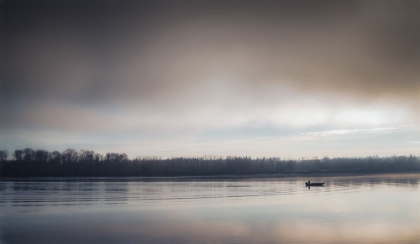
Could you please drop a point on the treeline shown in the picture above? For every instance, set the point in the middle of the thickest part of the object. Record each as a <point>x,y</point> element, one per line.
<point>41,163</point>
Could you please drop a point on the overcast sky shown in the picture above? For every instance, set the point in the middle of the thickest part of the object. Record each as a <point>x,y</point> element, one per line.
<point>192,78</point>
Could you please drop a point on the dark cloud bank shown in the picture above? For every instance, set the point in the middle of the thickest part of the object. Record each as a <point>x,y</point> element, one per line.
<point>160,55</point>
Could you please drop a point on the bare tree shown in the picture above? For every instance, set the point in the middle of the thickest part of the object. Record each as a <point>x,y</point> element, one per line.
<point>3,155</point>
<point>41,155</point>
<point>55,156</point>
<point>70,155</point>
<point>28,154</point>
<point>86,155</point>
<point>98,157</point>
<point>122,157</point>
<point>18,155</point>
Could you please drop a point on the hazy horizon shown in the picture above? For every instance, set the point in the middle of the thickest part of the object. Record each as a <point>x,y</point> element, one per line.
<point>192,78</point>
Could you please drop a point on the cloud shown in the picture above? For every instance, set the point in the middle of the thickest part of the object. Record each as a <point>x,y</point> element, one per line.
<point>150,67</point>
<point>68,53</point>
<point>348,131</point>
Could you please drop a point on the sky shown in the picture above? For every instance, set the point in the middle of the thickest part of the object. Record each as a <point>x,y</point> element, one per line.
<point>286,79</point>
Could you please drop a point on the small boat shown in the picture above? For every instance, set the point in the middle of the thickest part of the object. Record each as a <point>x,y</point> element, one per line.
<point>314,183</point>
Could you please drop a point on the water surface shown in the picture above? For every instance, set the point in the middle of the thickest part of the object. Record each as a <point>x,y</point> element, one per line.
<point>349,209</point>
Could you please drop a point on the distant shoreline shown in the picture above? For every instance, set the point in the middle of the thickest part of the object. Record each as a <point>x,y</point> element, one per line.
<point>71,163</point>
<point>192,177</point>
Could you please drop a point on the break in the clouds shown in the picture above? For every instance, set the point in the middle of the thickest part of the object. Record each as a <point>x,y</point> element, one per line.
<point>168,78</point>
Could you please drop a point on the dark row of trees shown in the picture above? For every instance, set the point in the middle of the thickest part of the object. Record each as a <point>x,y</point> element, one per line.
<point>41,163</point>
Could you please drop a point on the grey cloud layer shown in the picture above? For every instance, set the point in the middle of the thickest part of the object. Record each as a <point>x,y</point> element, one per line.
<point>159,55</point>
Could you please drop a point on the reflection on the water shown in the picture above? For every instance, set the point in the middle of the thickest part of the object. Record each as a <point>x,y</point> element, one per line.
<point>349,209</point>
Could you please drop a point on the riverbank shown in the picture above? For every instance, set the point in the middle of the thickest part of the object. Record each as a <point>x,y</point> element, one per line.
<point>210,177</point>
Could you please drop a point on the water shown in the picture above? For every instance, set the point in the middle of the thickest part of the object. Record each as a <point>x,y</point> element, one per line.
<point>349,209</point>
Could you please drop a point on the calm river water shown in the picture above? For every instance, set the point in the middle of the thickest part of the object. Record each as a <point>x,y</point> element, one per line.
<point>349,209</point>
